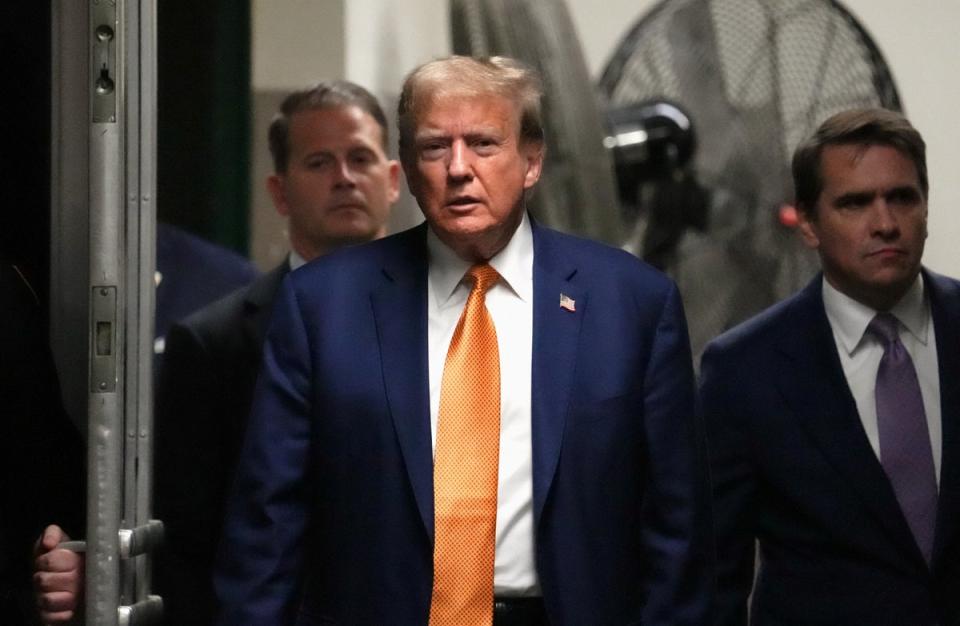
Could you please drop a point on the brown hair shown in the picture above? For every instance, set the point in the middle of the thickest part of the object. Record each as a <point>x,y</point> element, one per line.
<point>865,127</point>
<point>329,94</point>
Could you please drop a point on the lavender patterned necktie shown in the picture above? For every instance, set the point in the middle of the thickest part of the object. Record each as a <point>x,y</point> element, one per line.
<point>905,452</point>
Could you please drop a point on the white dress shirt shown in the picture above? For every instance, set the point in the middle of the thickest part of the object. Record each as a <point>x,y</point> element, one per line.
<point>860,354</point>
<point>295,260</point>
<point>510,303</point>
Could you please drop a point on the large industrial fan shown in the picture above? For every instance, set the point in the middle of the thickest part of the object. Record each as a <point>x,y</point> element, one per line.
<point>750,79</point>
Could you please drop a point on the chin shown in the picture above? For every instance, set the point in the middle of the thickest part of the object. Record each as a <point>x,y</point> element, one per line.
<point>461,225</point>
<point>349,232</point>
<point>471,232</point>
<point>892,287</point>
<point>345,223</point>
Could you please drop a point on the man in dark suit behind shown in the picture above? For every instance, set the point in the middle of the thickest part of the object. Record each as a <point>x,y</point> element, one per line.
<point>834,417</point>
<point>600,495</point>
<point>334,183</point>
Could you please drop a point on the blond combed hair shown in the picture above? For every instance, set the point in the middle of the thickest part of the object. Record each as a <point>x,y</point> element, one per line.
<point>472,77</point>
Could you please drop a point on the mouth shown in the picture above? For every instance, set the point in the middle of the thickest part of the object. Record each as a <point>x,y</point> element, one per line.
<point>461,203</point>
<point>887,253</point>
<point>352,205</point>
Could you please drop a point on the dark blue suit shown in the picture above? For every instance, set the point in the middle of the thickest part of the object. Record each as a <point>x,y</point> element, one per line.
<point>194,272</point>
<point>335,488</point>
<point>792,466</point>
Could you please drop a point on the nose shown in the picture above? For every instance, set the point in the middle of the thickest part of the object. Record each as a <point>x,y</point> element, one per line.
<point>459,168</point>
<point>343,174</point>
<point>885,222</point>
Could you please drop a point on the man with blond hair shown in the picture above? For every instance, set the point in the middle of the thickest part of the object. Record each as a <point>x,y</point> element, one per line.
<point>476,421</point>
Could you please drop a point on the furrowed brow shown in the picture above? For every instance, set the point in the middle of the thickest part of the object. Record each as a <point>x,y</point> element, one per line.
<point>854,197</point>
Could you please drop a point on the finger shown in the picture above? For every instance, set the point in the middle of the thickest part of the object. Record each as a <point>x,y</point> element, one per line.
<point>57,602</point>
<point>56,617</point>
<point>52,535</point>
<point>58,561</point>
<point>46,582</point>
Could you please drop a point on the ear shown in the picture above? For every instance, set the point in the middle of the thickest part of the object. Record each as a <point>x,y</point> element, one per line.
<point>394,181</point>
<point>533,151</point>
<point>807,225</point>
<point>926,230</point>
<point>278,193</point>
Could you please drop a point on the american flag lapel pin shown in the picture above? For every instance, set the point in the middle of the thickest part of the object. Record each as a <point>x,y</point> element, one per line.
<point>568,303</point>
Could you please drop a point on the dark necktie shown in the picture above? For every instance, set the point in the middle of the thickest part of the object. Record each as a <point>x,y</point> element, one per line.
<point>905,451</point>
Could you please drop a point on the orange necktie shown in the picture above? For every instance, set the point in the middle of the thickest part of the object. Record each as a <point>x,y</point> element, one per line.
<point>465,466</point>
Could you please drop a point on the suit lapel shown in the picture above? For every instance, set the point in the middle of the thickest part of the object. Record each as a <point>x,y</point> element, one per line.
<point>555,335</point>
<point>945,307</point>
<point>400,312</point>
<point>258,305</point>
<point>813,383</point>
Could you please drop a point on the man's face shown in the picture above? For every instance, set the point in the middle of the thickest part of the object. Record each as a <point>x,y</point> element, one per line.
<point>339,184</point>
<point>468,171</point>
<point>870,222</point>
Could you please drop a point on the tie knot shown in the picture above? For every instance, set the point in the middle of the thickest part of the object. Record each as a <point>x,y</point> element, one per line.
<point>483,276</point>
<point>885,327</point>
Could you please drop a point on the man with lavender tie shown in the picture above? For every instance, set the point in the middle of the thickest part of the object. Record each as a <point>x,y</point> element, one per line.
<point>833,418</point>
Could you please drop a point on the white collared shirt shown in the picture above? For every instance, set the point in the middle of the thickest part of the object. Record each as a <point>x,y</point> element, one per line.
<point>295,260</point>
<point>510,303</point>
<point>860,354</point>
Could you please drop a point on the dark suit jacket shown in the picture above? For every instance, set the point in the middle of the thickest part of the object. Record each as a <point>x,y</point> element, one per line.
<point>792,466</point>
<point>41,454</point>
<point>211,363</point>
<point>194,273</point>
<point>336,476</point>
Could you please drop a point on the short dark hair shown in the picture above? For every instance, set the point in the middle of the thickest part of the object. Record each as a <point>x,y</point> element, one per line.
<point>472,76</point>
<point>328,94</point>
<point>864,127</point>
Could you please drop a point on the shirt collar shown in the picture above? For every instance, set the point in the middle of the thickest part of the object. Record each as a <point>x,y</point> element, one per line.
<point>850,318</point>
<point>296,261</point>
<point>514,264</point>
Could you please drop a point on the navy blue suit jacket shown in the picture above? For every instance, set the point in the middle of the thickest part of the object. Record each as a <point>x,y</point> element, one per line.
<point>332,516</point>
<point>194,272</point>
<point>792,467</point>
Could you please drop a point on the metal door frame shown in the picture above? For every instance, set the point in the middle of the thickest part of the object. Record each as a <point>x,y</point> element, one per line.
<point>103,234</point>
